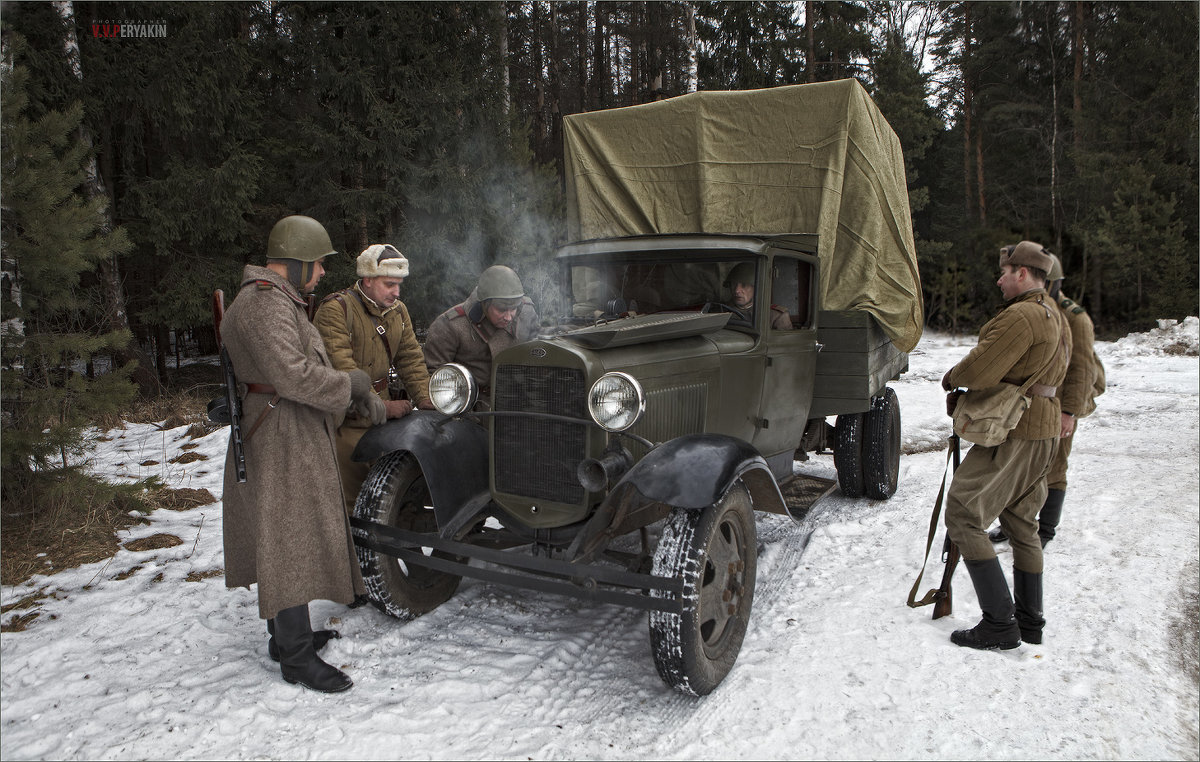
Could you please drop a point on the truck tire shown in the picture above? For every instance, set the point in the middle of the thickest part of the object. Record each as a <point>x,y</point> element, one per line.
<point>714,552</point>
<point>881,446</point>
<point>394,493</point>
<point>848,453</point>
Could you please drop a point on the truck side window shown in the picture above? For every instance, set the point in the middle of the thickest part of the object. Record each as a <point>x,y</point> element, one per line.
<point>789,290</point>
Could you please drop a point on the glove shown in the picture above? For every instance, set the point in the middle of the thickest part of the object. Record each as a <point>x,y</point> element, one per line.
<point>363,399</point>
<point>952,401</point>
<point>946,381</point>
<point>372,407</point>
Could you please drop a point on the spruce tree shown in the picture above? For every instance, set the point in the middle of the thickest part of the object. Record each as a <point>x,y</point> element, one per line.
<point>51,322</point>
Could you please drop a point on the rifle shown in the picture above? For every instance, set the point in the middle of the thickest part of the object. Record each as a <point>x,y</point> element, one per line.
<point>944,599</point>
<point>312,307</point>
<point>232,413</point>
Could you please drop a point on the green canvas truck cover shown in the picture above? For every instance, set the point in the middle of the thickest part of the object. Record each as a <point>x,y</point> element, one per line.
<point>816,158</point>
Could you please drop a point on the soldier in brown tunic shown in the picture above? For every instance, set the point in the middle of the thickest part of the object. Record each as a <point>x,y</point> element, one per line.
<point>284,528</point>
<point>367,327</point>
<point>1084,382</point>
<point>494,317</point>
<point>1028,339</point>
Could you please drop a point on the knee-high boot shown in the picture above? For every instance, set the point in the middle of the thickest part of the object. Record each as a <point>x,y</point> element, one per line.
<point>998,628</point>
<point>1050,515</point>
<point>320,638</point>
<point>1027,590</point>
<point>298,660</point>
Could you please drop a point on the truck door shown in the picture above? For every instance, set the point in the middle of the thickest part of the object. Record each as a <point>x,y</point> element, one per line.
<point>791,352</point>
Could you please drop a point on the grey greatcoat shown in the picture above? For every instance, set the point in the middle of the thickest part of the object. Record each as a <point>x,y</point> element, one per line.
<point>285,528</point>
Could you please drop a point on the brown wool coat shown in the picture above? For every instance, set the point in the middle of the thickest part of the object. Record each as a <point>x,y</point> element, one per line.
<point>1014,345</point>
<point>464,335</point>
<point>285,528</point>
<point>347,319</point>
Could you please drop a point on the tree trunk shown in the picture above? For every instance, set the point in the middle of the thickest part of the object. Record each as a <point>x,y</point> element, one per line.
<point>505,81</point>
<point>556,141</point>
<point>811,53</point>
<point>115,315</point>
<point>599,97</point>
<point>693,71</point>
<point>967,108</point>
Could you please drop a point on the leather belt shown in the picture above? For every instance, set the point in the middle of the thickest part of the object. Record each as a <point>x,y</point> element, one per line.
<point>1043,390</point>
<point>260,389</point>
<point>380,385</point>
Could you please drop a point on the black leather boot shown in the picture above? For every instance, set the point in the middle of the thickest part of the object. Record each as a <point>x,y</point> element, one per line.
<point>298,660</point>
<point>997,535</point>
<point>1050,515</point>
<point>320,638</point>
<point>1027,592</point>
<point>998,628</point>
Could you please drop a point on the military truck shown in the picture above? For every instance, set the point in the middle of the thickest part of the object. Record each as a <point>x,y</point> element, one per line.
<point>627,449</point>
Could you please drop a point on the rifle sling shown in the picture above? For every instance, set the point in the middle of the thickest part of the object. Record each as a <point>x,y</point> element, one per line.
<point>932,595</point>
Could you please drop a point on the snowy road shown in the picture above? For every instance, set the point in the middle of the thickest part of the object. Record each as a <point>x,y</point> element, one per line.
<point>835,665</point>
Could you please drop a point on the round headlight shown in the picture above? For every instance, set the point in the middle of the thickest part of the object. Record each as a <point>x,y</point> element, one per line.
<point>616,401</point>
<point>452,389</point>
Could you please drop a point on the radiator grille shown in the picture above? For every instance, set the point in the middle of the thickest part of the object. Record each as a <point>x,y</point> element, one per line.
<point>536,458</point>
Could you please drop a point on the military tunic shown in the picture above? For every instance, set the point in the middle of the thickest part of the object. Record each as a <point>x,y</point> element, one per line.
<point>348,321</point>
<point>1078,390</point>
<point>464,335</point>
<point>284,528</point>
<point>1009,480</point>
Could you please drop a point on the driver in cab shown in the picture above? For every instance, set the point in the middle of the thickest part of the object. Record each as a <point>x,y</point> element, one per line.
<point>741,283</point>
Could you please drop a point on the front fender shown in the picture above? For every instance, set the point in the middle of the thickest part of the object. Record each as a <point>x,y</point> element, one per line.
<point>696,471</point>
<point>452,452</point>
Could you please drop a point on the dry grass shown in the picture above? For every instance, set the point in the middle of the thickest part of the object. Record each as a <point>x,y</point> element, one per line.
<point>67,518</point>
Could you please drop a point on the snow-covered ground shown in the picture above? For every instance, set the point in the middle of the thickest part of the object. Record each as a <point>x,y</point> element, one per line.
<point>150,665</point>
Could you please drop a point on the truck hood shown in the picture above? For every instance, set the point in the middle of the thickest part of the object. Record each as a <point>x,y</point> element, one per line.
<point>645,328</point>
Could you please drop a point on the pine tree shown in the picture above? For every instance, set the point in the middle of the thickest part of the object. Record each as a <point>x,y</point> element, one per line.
<point>51,323</point>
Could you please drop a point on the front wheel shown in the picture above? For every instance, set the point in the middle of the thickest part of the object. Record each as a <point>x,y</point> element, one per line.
<point>714,552</point>
<point>395,494</point>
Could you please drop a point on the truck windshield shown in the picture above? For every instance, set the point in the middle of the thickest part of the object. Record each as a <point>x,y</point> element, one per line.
<point>614,288</point>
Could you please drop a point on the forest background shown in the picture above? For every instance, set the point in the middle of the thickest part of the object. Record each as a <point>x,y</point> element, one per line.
<point>147,149</point>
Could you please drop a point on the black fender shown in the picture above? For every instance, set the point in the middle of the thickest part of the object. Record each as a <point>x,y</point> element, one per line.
<point>452,452</point>
<point>696,471</point>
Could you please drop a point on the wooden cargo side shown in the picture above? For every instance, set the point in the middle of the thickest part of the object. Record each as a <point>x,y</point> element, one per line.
<point>856,361</point>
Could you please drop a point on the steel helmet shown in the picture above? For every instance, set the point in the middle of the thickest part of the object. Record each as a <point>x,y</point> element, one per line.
<point>743,273</point>
<point>499,282</point>
<point>300,241</point>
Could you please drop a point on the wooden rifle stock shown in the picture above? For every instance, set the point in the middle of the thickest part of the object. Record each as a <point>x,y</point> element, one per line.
<point>943,604</point>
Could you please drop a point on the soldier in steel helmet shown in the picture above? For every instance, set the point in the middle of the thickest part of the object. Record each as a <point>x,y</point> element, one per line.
<point>741,283</point>
<point>367,327</point>
<point>1084,382</point>
<point>284,527</point>
<point>494,317</point>
<point>1028,341</point>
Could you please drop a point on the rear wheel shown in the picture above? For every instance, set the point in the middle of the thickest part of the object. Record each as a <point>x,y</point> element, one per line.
<point>848,453</point>
<point>395,494</point>
<point>714,552</point>
<point>881,446</point>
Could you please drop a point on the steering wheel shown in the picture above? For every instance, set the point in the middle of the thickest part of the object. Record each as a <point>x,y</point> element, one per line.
<point>736,313</point>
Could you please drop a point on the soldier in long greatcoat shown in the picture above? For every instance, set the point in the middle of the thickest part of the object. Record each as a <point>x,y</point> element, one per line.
<point>284,528</point>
